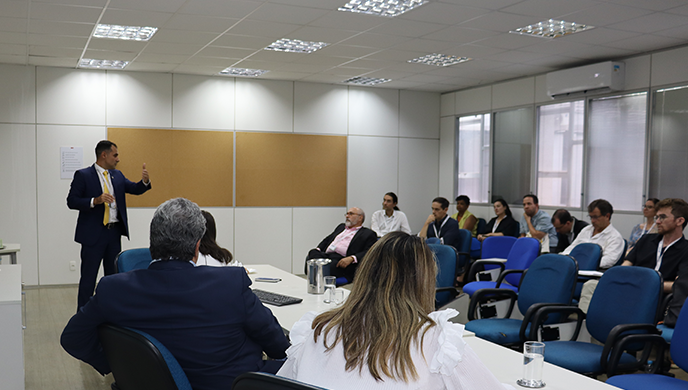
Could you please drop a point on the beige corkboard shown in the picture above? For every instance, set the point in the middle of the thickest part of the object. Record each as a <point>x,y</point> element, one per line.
<point>290,170</point>
<point>196,165</point>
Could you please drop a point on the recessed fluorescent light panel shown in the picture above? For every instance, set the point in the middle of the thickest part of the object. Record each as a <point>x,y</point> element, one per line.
<point>102,64</point>
<point>439,60</point>
<point>243,72</point>
<point>296,46</point>
<point>129,33</point>
<point>388,8</point>
<point>366,80</point>
<point>552,29</point>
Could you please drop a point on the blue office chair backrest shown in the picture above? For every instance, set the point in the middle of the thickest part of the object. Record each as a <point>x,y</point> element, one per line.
<point>497,247</point>
<point>433,240</point>
<point>127,260</point>
<point>465,239</point>
<point>623,253</point>
<point>139,361</point>
<point>679,342</point>
<point>263,381</point>
<point>445,258</point>
<point>588,256</point>
<point>624,295</point>
<point>481,225</point>
<point>521,256</point>
<point>550,278</point>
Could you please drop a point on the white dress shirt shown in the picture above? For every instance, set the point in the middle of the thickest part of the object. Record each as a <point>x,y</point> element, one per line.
<point>609,239</point>
<point>111,190</point>
<point>382,224</point>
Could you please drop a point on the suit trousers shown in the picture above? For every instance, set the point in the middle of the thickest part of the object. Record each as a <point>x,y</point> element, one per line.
<point>107,247</point>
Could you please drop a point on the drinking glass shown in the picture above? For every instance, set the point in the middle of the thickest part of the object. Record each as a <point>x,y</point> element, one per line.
<point>533,362</point>
<point>330,287</point>
<point>338,296</point>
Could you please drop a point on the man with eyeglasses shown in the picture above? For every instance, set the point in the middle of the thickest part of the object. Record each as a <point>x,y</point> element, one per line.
<point>601,232</point>
<point>667,251</point>
<point>346,246</point>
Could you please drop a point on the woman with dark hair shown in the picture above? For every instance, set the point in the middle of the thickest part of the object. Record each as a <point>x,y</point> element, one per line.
<point>501,225</point>
<point>209,252</point>
<point>386,335</point>
<point>465,218</point>
<point>390,218</point>
<point>648,227</point>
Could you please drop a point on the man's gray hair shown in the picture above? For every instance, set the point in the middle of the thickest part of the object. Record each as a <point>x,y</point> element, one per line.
<point>176,227</point>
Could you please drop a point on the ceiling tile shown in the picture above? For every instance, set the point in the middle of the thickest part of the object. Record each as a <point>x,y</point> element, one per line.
<point>368,64</point>
<point>319,34</point>
<point>549,9</point>
<point>199,23</point>
<point>93,3</point>
<point>375,40</point>
<point>53,61</point>
<point>182,36</point>
<point>652,23</point>
<point>8,48</point>
<point>52,51</point>
<point>655,5</point>
<point>225,52</point>
<point>150,67</point>
<point>219,8</point>
<point>210,61</point>
<point>135,18</point>
<point>283,13</point>
<point>348,21</point>
<point>108,55</point>
<point>280,75</point>
<point>677,32</point>
<point>473,51</point>
<point>347,51</point>
<point>324,4</point>
<point>424,45</point>
<point>197,69</point>
<point>605,14</point>
<point>14,37</point>
<point>253,64</point>
<point>13,25</point>
<point>509,41</point>
<point>277,56</point>
<point>310,68</point>
<point>645,43</point>
<point>516,56</point>
<point>598,35</point>
<point>488,4</point>
<point>56,40</point>
<point>161,58</point>
<point>499,21</point>
<point>65,13</point>
<point>396,55</point>
<point>60,28</point>
<point>14,9</point>
<point>323,78</point>
<point>459,35</point>
<point>172,48</point>
<point>148,5</point>
<point>243,41</point>
<point>443,13</point>
<point>407,28</point>
<point>13,59</point>
<point>264,29</point>
<point>115,44</point>
<point>323,60</point>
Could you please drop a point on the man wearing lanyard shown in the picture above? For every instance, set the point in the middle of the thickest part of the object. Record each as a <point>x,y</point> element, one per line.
<point>98,193</point>
<point>345,246</point>
<point>666,252</point>
<point>439,224</point>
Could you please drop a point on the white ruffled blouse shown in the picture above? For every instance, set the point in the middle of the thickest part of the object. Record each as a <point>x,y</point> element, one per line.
<point>449,362</point>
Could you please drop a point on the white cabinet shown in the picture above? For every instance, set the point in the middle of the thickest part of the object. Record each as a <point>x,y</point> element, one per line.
<point>11,338</point>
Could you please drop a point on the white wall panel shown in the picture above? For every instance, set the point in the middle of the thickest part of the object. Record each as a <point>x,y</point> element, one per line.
<point>480,211</point>
<point>224,222</point>
<point>139,227</point>
<point>310,226</point>
<point>637,72</point>
<point>18,196</point>
<point>447,157</point>
<point>473,100</point>
<point>56,223</point>
<point>139,99</point>
<point>17,101</point>
<point>541,95</point>
<point>373,111</point>
<point>447,104</point>
<point>418,178</point>
<point>419,114</point>
<point>513,93</point>
<point>202,102</point>
<point>320,108</point>
<point>264,105</point>
<point>669,66</point>
<point>371,172</point>
<point>263,236</point>
<point>68,96</point>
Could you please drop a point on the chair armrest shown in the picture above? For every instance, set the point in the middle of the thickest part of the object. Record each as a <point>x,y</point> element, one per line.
<point>474,268</point>
<point>503,274</point>
<point>486,294</point>
<point>620,346</point>
<point>537,314</point>
<point>617,333</point>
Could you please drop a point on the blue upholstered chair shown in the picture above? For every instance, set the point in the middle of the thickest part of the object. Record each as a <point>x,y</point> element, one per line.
<point>464,249</point>
<point>522,254</point>
<point>496,247</point>
<point>588,256</point>
<point>446,259</point>
<point>433,240</point>
<point>679,354</point>
<point>139,361</point>
<point>263,381</point>
<point>625,300</point>
<point>549,280</point>
<point>127,260</point>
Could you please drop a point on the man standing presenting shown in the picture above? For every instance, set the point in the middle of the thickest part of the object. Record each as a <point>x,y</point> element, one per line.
<point>440,225</point>
<point>346,246</point>
<point>207,317</point>
<point>538,224</point>
<point>98,193</point>
<point>567,226</point>
<point>602,233</point>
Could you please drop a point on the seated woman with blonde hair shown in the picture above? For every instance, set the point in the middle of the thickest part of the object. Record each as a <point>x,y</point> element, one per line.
<point>386,335</point>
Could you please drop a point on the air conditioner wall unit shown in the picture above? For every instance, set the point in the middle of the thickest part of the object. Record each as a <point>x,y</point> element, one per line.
<point>586,80</point>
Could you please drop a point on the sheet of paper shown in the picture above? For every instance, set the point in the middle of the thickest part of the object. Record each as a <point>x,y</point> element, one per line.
<point>71,160</point>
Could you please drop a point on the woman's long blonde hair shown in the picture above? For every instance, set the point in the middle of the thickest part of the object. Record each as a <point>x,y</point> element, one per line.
<point>392,295</point>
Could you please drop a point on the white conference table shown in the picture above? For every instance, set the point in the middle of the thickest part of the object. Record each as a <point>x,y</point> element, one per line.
<point>11,250</point>
<point>506,364</point>
<point>291,285</point>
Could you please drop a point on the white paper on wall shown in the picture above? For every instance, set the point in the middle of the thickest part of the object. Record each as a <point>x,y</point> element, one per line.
<point>71,160</point>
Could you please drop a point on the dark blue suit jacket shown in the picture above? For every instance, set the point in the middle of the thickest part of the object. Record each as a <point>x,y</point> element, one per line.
<point>449,233</point>
<point>85,186</point>
<point>207,317</point>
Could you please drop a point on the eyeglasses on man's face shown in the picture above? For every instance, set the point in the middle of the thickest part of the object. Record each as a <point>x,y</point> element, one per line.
<point>661,217</point>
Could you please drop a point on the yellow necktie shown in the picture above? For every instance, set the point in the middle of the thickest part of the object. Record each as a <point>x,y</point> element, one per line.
<point>106,217</point>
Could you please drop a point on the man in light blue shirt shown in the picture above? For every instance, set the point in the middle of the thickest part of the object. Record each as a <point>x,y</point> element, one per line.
<point>537,222</point>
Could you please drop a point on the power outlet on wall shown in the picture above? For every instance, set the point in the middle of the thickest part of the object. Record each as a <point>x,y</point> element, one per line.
<point>72,265</point>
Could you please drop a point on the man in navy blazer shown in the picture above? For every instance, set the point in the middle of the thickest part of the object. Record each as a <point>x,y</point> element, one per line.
<point>98,193</point>
<point>207,317</point>
<point>346,246</point>
<point>440,225</point>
